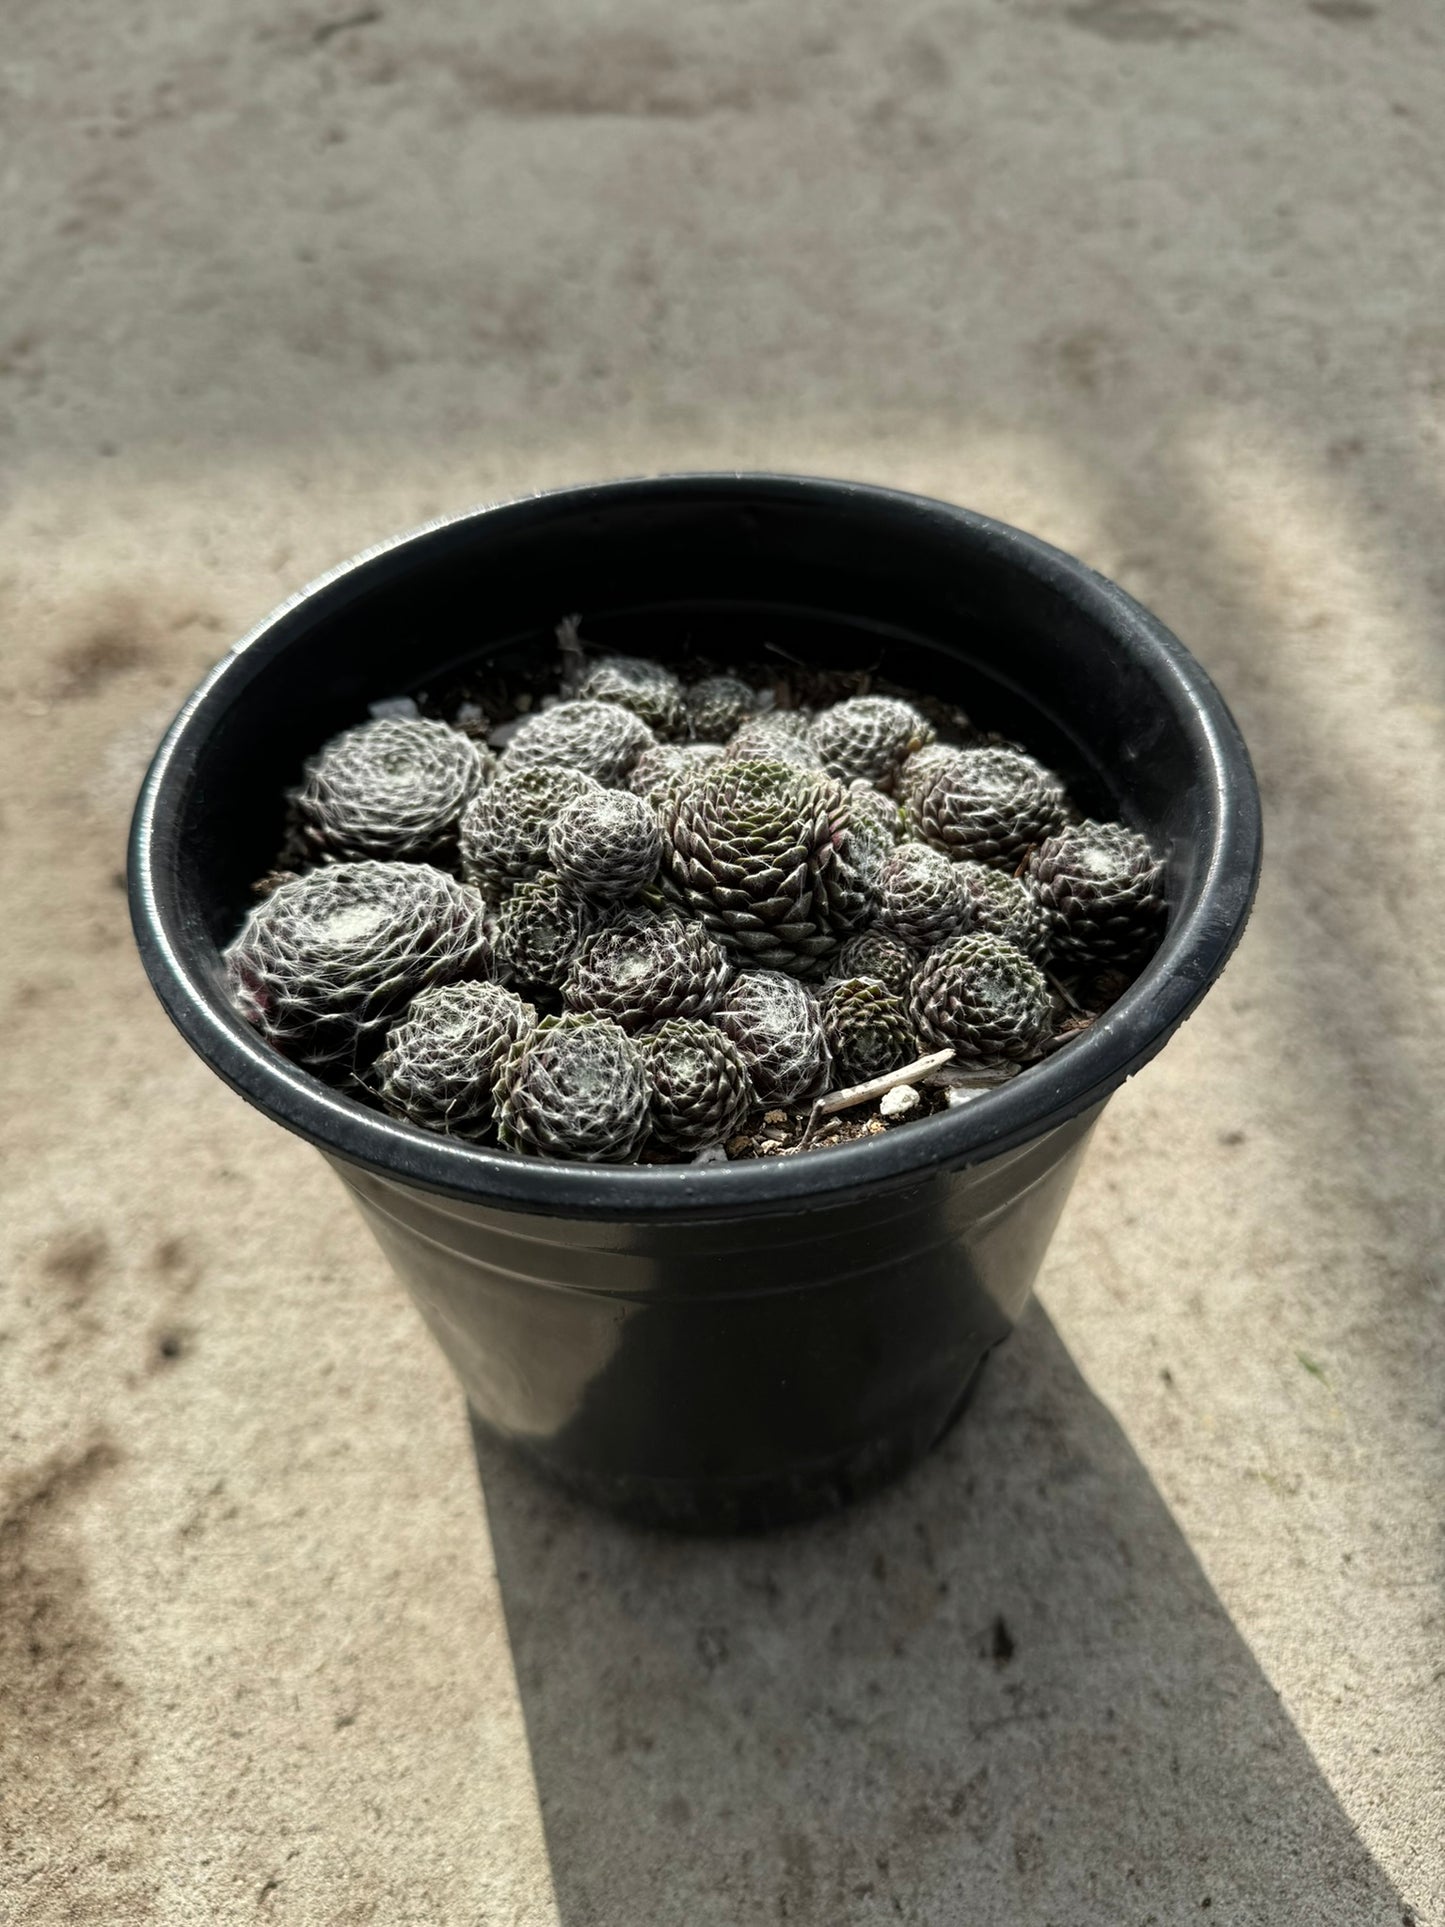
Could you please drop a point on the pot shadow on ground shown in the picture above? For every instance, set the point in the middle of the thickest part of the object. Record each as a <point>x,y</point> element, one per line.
<point>1002,1690</point>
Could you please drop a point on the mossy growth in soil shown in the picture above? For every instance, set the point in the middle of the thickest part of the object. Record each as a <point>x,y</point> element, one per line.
<point>602,907</point>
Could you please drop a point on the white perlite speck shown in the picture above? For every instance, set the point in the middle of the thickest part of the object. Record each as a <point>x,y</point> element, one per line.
<point>901,1101</point>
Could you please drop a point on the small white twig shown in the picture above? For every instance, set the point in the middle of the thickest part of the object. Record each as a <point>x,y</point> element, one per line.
<point>875,1087</point>
<point>569,644</point>
<point>1077,1008</point>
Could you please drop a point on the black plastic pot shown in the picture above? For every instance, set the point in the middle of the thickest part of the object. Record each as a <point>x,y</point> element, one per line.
<point>724,1345</point>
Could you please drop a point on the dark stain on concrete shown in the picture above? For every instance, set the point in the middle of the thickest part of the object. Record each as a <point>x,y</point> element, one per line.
<point>328,29</point>
<point>176,1266</point>
<point>75,1261</point>
<point>108,644</point>
<point>66,1741</point>
<point>1123,20</point>
<point>1344,13</point>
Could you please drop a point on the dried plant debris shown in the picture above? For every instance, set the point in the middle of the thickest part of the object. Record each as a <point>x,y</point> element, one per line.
<point>608,909</point>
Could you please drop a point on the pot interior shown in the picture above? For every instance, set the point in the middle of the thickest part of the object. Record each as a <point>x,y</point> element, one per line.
<point>754,585</point>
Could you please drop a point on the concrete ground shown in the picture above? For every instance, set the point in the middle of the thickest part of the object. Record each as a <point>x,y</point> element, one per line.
<point>1159,1634</point>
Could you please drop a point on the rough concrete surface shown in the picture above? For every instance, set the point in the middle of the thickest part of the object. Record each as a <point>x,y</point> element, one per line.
<point>1157,1637</point>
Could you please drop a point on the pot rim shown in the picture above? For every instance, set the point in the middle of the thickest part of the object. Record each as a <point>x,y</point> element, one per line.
<point>1196,946</point>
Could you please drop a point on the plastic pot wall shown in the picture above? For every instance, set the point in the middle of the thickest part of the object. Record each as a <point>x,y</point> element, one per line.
<point>728,1345</point>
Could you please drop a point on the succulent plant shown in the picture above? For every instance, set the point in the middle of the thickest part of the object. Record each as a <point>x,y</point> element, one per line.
<point>701,1087</point>
<point>1101,890</point>
<point>869,737</point>
<point>602,739</point>
<point>506,827</point>
<point>769,739</point>
<point>876,952</point>
<point>441,1060</point>
<point>643,976</point>
<point>575,1086</point>
<point>867,1027</point>
<point>656,769</point>
<point>988,805</point>
<point>763,856</point>
<point>392,788</point>
<point>539,929</point>
<point>923,765</point>
<point>328,958</point>
<point>875,814</point>
<point>982,996</point>
<point>644,687</point>
<point>629,916</point>
<point>774,1022</point>
<point>921,897</point>
<point>1004,906</point>
<point>717,705</point>
<point>606,843</point>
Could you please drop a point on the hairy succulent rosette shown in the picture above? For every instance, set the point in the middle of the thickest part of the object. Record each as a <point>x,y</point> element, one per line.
<point>770,738</point>
<point>658,770</point>
<point>869,737</point>
<point>642,976</point>
<point>441,1060</point>
<point>982,996</point>
<point>922,766</point>
<point>644,687</point>
<point>876,817</point>
<point>576,1087</point>
<point>1101,890</point>
<point>701,1088</point>
<point>763,856</point>
<point>1005,906</point>
<point>920,896</point>
<point>878,953</point>
<point>539,930</point>
<point>867,1027</point>
<point>774,1022</point>
<point>606,844</point>
<point>506,827</point>
<point>603,740</point>
<point>985,805</point>
<point>391,789</point>
<point>717,706</point>
<point>328,958</point>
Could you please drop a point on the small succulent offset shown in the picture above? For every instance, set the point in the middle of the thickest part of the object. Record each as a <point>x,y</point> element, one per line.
<point>867,1027</point>
<point>701,1087</point>
<point>877,952</point>
<point>606,844</point>
<point>390,788</point>
<point>644,687</point>
<point>708,899</point>
<point>574,1087</point>
<point>769,739</point>
<point>870,738</point>
<point>1005,906</point>
<point>603,740</point>
<point>440,1060</point>
<point>776,1025</point>
<point>1101,891</point>
<point>990,805</point>
<point>657,769</point>
<point>921,896</point>
<point>717,705</point>
<point>539,930</point>
<point>507,827</point>
<point>640,977</point>
<point>983,997</point>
